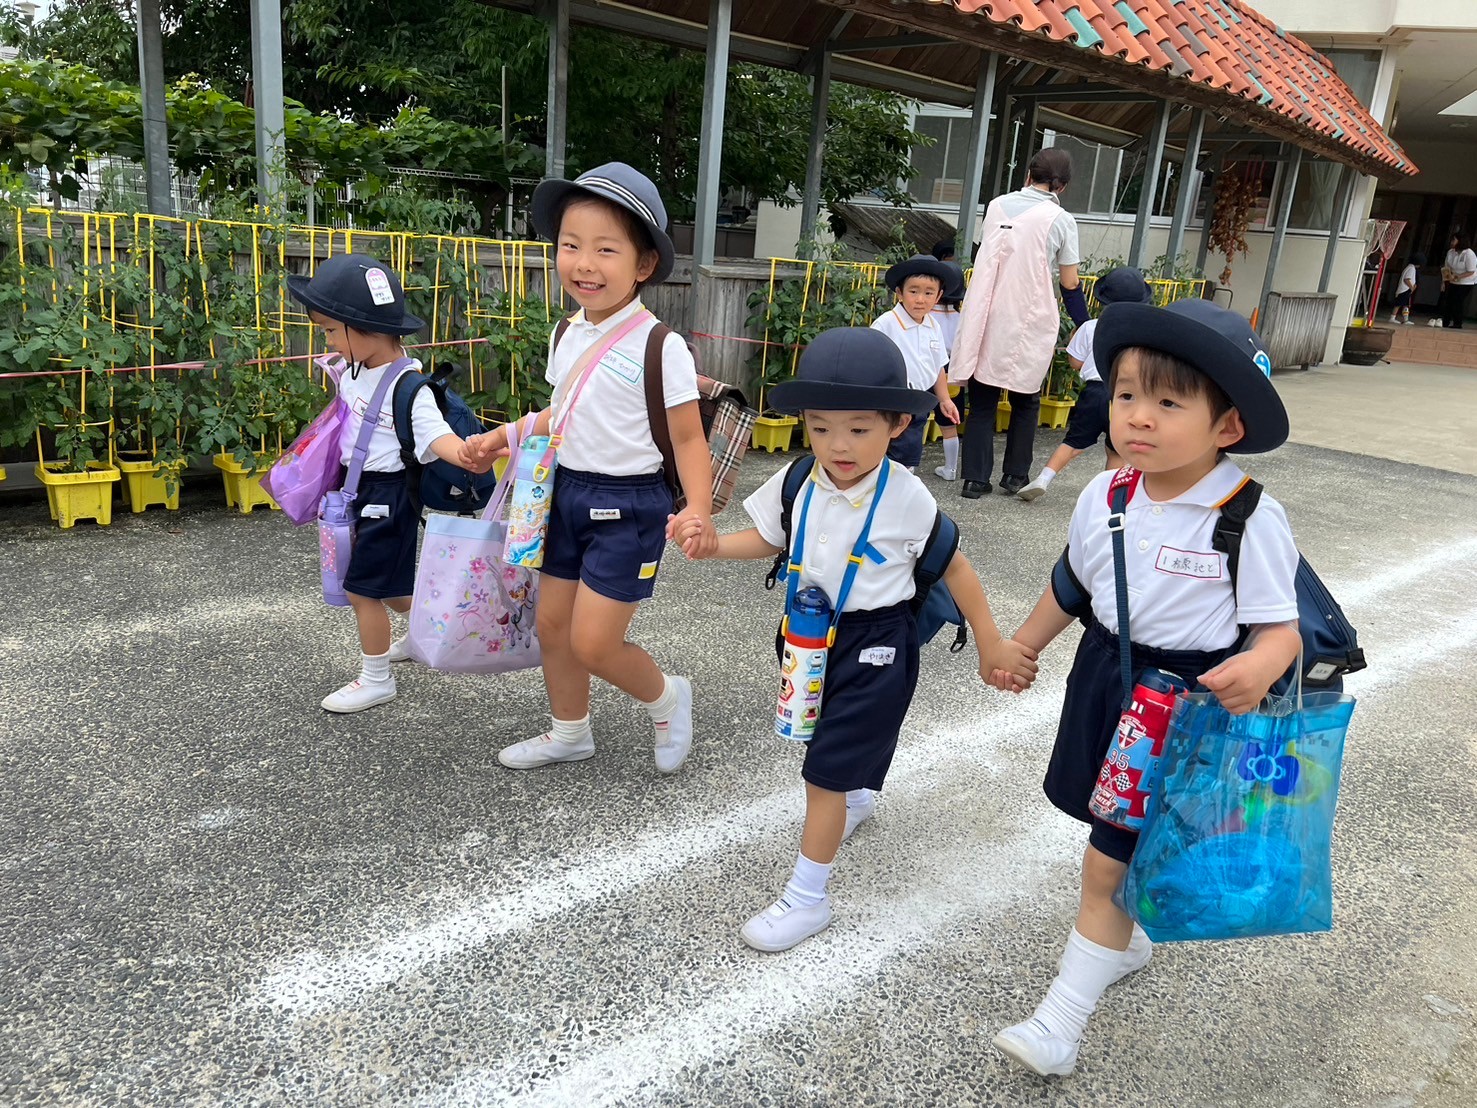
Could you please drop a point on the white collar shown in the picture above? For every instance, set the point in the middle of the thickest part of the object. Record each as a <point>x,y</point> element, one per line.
<point>1040,194</point>
<point>1211,490</point>
<point>611,322</point>
<point>906,322</point>
<point>858,495</point>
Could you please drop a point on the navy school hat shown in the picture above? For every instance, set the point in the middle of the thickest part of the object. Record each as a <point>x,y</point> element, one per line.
<point>943,250</point>
<point>919,265</point>
<point>851,369</point>
<point>356,290</point>
<point>954,286</point>
<point>619,184</point>
<point>1217,342</point>
<point>1124,285</point>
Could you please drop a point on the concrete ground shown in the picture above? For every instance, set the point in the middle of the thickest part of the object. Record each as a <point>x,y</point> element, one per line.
<point>213,893</point>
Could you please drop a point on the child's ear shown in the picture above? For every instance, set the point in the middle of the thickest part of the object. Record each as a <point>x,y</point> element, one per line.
<point>1231,431</point>
<point>647,266</point>
<point>901,427</point>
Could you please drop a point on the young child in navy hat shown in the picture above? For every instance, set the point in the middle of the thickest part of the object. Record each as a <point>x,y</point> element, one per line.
<point>611,503</point>
<point>1189,383</point>
<point>852,388</point>
<point>1088,421</point>
<point>918,283</point>
<point>360,307</point>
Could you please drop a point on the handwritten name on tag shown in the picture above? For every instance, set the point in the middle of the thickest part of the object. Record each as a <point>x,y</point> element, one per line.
<point>627,369</point>
<point>1189,563</point>
<point>605,513</point>
<point>878,656</point>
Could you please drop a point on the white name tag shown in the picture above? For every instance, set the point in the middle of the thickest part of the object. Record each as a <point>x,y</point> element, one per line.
<point>1189,563</point>
<point>375,511</point>
<point>379,286</point>
<point>878,656</point>
<point>605,513</point>
<point>625,368</point>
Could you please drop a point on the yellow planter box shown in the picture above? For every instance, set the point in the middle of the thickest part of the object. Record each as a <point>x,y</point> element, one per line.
<point>1002,416</point>
<point>1054,411</point>
<point>243,487</point>
<point>773,433</point>
<point>74,496</point>
<point>932,432</point>
<point>147,483</point>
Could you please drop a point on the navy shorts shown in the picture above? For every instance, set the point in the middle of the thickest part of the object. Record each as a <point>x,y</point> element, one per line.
<point>608,532</point>
<point>1090,713</point>
<point>1088,420</point>
<point>382,565</point>
<point>907,448</point>
<point>961,402</point>
<point>863,704</point>
<point>1402,298</point>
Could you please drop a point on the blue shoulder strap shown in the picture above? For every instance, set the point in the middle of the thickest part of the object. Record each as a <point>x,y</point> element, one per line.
<point>1120,580</point>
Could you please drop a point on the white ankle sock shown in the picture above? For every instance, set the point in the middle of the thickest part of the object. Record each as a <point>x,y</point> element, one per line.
<point>951,453</point>
<point>1087,969</point>
<point>570,730</point>
<point>662,709</point>
<point>374,668</point>
<point>857,798</point>
<point>807,885</point>
<point>1044,477</point>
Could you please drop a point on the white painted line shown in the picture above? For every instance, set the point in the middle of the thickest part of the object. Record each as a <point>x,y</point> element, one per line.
<point>1356,593</point>
<point>970,882</point>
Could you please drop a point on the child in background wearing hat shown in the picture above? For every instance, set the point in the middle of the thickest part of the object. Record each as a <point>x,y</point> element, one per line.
<point>1088,420</point>
<point>946,315</point>
<point>360,307</point>
<point>607,527</point>
<point>1189,383</point>
<point>852,388</point>
<point>918,283</point>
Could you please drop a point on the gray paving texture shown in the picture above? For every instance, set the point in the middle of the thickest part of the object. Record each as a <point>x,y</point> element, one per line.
<point>211,892</point>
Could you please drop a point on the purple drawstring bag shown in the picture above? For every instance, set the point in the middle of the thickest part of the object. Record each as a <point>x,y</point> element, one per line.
<point>310,467</point>
<point>336,516</point>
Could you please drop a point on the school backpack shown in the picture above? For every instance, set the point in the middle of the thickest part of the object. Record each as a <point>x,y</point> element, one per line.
<point>439,485</point>
<point>932,604</point>
<point>1330,643</point>
<point>728,421</point>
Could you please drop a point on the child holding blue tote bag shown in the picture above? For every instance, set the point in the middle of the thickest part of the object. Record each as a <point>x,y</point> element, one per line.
<point>1188,383</point>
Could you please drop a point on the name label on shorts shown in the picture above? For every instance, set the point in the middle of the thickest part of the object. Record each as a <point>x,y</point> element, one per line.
<point>878,656</point>
<point>1189,563</point>
<point>605,513</point>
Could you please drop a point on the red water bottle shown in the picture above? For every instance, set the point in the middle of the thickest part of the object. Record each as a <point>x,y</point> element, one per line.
<point>1124,782</point>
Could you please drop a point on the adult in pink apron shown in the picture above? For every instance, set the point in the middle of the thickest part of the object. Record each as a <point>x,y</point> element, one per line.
<point>1009,321</point>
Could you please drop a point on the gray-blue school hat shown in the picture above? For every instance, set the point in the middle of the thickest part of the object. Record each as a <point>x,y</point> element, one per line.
<point>619,184</point>
<point>851,369</point>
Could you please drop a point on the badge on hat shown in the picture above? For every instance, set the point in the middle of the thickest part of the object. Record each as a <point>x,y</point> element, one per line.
<point>379,286</point>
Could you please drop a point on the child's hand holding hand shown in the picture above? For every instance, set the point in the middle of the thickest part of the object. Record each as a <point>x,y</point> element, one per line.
<point>1008,665</point>
<point>473,457</point>
<point>694,533</point>
<point>1241,681</point>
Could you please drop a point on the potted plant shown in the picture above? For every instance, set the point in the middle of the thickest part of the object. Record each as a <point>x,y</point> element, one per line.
<point>1063,383</point>
<point>235,426</point>
<point>79,477</point>
<point>148,415</point>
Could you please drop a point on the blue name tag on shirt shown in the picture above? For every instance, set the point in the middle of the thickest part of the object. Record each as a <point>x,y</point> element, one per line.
<point>623,367</point>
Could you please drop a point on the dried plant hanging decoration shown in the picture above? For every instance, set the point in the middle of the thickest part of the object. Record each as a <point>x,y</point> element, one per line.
<point>1236,193</point>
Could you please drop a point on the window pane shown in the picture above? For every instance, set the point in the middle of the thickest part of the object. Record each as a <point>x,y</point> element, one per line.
<point>929,160</point>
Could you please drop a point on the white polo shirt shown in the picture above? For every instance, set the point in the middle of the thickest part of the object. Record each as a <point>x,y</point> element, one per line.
<point>1079,346</point>
<point>427,422</point>
<point>899,532</point>
<point>1179,590</point>
<point>922,345</point>
<point>948,321</point>
<point>608,430</point>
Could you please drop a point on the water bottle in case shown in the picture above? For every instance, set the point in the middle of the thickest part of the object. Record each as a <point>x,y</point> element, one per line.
<point>803,665</point>
<point>1126,780</point>
<point>533,492</point>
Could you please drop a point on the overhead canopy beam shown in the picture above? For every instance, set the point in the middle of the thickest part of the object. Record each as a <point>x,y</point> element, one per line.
<point>974,161</point>
<point>710,151</point>
<point>158,192</point>
<point>887,42</point>
<point>271,122</point>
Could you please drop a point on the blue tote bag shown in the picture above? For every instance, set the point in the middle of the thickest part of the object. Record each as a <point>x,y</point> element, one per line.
<point>1237,840</point>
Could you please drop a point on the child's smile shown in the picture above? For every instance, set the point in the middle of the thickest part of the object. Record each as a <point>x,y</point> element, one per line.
<point>599,265</point>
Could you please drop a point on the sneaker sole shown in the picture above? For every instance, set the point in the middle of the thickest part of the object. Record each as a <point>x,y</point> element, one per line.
<point>545,762</point>
<point>359,707</point>
<point>1028,493</point>
<point>1016,1052</point>
<point>771,948</point>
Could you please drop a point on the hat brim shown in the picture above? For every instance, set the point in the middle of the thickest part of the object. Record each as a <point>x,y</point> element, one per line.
<point>923,266</point>
<point>298,288</point>
<point>550,196</point>
<point>794,397</point>
<point>1214,355</point>
<point>1099,296</point>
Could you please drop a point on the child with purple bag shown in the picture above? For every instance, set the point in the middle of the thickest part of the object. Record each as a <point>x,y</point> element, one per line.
<point>360,307</point>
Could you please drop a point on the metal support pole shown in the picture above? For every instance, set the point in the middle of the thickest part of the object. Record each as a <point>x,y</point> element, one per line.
<point>710,153</point>
<point>266,81</point>
<point>810,199</point>
<point>556,14</point>
<point>999,145</point>
<point>1336,227</point>
<point>974,161</point>
<point>1284,213</point>
<point>1148,191</point>
<point>1184,206</point>
<point>157,190</point>
<point>1217,162</point>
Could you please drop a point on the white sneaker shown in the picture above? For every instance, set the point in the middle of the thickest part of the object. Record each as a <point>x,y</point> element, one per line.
<point>1408,322</point>
<point>1032,490</point>
<point>671,754</point>
<point>1434,323</point>
<point>358,695</point>
<point>1036,1048</point>
<point>858,814</point>
<point>543,750</point>
<point>1136,957</point>
<point>946,473</point>
<point>779,927</point>
<point>400,650</point>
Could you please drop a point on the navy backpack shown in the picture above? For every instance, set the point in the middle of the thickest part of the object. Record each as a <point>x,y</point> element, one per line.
<point>932,604</point>
<point>440,485</point>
